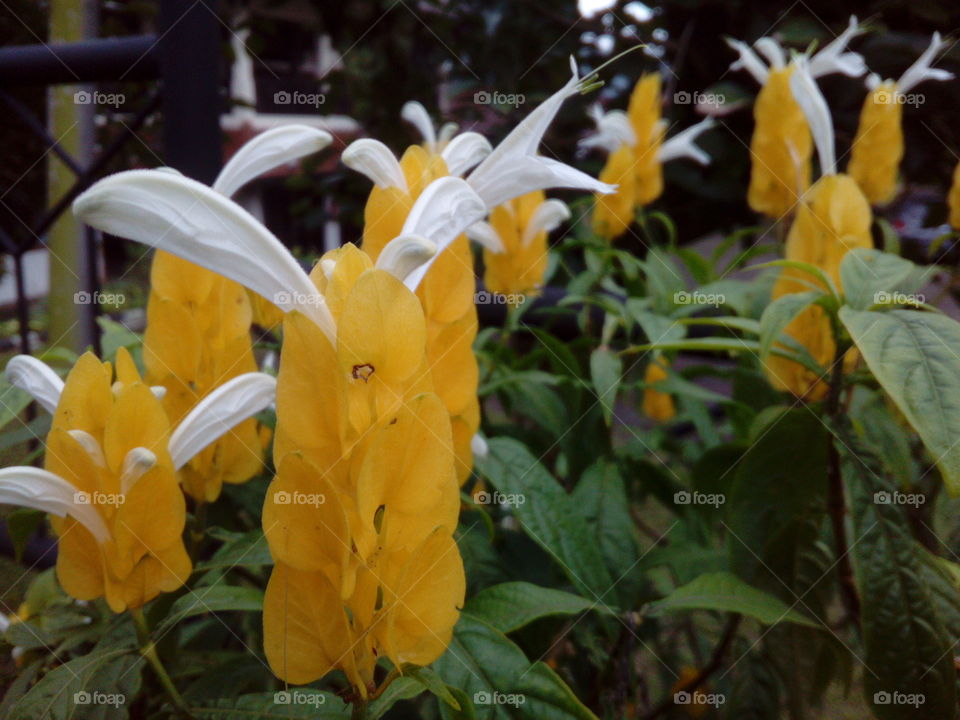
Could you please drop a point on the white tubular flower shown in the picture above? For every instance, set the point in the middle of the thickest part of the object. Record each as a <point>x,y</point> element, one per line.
<point>514,168</point>
<point>682,144</point>
<point>47,492</point>
<point>269,150</point>
<point>459,152</point>
<point>404,254</point>
<point>36,379</point>
<point>189,219</point>
<point>416,114</point>
<point>817,113</point>
<point>548,216</point>
<point>484,235</point>
<point>748,60</point>
<point>920,71</point>
<point>613,131</point>
<point>375,160</point>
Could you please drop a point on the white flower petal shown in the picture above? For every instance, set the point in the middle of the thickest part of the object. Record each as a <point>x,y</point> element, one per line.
<point>267,151</point>
<point>514,168</point>
<point>159,391</point>
<point>613,131</point>
<point>682,144</point>
<point>832,58</point>
<point>137,463</point>
<point>772,51</point>
<point>546,218</point>
<point>479,446</point>
<point>921,70</point>
<point>815,109</point>
<point>447,131</point>
<point>90,446</point>
<point>37,379</point>
<point>748,61</point>
<point>231,403</point>
<point>189,219</point>
<point>404,254</point>
<point>464,151</point>
<point>416,114</point>
<point>446,208</point>
<point>42,490</point>
<point>484,235</point>
<point>375,160</point>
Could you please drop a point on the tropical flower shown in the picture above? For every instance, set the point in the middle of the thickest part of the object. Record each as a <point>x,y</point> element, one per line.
<point>833,218</point>
<point>198,326</point>
<point>781,146</point>
<point>657,404</point>
<point>878,146</point>
<point>110,473</point>
<point>515,244</point>
<point>637,150</point>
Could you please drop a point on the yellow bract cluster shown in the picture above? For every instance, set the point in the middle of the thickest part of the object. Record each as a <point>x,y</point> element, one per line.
<point>198,338</point>
<point>780,149</point>
<point>878,146</point>
<point>360,515</point>
<point>518,271</point>
<point>834,219</point>
<point>447,296</point>
<point>96,425</point>
<point>636,167</point>
<point>657,404</point>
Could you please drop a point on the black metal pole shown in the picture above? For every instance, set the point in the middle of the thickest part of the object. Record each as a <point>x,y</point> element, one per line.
<point>23,305</point>
<point>189,69</point>
<point>128,58</point>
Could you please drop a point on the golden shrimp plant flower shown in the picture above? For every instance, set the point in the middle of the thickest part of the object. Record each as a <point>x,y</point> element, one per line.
<point>448,280</point>
<point>637,150</point>
<point>781,148</point>
<point>658,405</point>
<point>198,326</point>
<point>109,477</point>
<point>514,242</point>
<point>833,218</point>
<point>360,515</point>
<point>878,146</point>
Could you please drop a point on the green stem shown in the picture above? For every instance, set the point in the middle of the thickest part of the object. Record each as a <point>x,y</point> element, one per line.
<point>149,651</point>
<point>359,710</point>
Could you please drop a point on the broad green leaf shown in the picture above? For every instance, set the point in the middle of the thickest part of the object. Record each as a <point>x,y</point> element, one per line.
<point>299,703</point>
<point>513,605</point>
<point>664,280</point>
<point>499,679</point>
<point>781,313</point>
<point>115,336</point>
<point>213,598</point>
<point>21,524</point>
<point>657,328</point>
<point>808,268</point>
<point>915,357</point>
<point>726,592</point>
<point>403,688</point>
<point>98,686</point>
<point>547,514</point>
<point>872,277</point>
<point>429,680</point>
<point>908,653</point>
<point>13,401</point>
<point>733,345</point>
<point>238,550</point>
<point>605,371</point>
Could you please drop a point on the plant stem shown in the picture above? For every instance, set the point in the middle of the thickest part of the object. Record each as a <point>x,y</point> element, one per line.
<point>149,651</point>
<point>359,711</point>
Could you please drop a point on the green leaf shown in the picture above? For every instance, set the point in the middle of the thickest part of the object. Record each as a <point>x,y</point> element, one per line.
<point>13,401</point>
<point>403,688</point>
<point>115,336</point>
<point>547,514</point>
<point>664,280</point>
<point>908,652</point>
<point>915,357</point>
<point>98,686</point>
<point>808,268</point>
<point>238,550</point>
<point>872,277</point>
<point>429,680</point>
<point>21,524</point>
<point>726,592</point>
<point>300,703</point>
<point>499,679</point>
<point>734,345</point>
<point>781,313</point>
<point>512,605</point>
<point>657,328</point>
<point>605,371</point>
<point>214,598</point>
